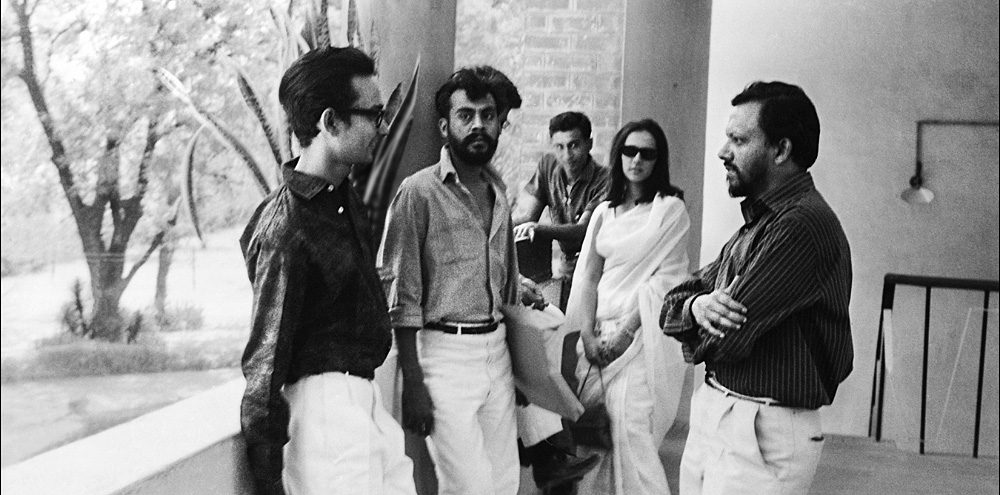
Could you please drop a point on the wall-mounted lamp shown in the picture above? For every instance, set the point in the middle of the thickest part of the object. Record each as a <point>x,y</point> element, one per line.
<point>917,194</point>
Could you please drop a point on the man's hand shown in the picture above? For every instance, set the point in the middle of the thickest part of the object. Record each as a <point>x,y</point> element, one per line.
<point>525,231</point>
<point>718,313</point>
<point>418,409</point>
<point>531,295</point>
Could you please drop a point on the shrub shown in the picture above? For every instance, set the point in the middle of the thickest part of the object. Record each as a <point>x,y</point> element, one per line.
<point>9,267</point>
<point>67,355</point>
<point>71,315</point>
<point>175,318</point>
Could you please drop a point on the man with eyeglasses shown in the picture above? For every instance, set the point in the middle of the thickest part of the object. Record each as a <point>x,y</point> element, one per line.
<point>311,415</point>
<point>448,265</point>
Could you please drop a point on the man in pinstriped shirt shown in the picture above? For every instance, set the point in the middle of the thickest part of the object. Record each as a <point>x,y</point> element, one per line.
<point>769,317</point>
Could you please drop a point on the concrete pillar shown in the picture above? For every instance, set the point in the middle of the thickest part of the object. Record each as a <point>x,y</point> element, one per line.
<point>405,30</point>
<point>665,78</point>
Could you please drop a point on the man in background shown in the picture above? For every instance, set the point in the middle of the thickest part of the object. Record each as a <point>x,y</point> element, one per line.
<point>571,184</point>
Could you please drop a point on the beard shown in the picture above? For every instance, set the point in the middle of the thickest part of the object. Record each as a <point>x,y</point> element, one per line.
<point>742,181</point>
<point>476,149</point>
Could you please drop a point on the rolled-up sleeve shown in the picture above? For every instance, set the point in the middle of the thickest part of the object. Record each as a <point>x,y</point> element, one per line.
<point>400,257</point>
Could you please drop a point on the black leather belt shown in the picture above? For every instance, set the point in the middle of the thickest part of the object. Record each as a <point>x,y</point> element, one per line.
<point>463,328</point>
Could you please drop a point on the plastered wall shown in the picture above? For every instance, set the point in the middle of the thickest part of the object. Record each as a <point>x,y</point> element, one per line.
<point>873,69</point>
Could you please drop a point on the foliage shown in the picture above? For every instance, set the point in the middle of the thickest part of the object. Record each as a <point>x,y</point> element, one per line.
<point>373,182</point>
<point>175,318</point>
<point>16,267</point>
<point>68,356</point>
<point>73,318</point>
<point>72,315</point>
<point>110,130</point>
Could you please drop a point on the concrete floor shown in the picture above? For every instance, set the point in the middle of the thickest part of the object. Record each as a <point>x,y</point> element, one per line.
<point>859,466</point>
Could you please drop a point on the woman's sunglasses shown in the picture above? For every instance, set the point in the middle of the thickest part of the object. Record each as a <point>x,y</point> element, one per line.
<point>644,153</point>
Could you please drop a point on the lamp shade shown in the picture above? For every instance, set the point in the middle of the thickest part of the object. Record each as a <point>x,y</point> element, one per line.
<point>917,195</point>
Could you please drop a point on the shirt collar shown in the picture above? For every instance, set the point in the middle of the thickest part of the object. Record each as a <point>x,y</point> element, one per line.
<point>778,197</point>
<point>305,185</point>
<point>447,169</point>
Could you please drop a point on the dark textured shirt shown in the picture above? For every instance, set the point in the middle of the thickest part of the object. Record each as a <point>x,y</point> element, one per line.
<point>794,265</point>
<point>318,304</point>
<point>568,201</point>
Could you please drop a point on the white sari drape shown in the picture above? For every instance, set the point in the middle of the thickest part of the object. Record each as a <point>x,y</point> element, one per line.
<point>627,260</point>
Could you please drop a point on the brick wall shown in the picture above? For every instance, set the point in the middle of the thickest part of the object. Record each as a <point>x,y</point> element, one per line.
<point>562,54</point>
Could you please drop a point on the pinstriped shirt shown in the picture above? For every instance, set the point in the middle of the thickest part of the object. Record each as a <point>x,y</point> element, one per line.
<point>794,265</point>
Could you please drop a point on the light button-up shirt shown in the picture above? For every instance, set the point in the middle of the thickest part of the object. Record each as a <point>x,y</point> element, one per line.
<point>436,261</point>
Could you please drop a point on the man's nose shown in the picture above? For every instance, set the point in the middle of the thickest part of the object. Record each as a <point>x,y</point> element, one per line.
<point>478,122</point>
<point>724,152</point>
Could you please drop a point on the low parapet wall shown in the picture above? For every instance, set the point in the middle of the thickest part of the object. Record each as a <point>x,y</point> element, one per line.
<point>191,447</point>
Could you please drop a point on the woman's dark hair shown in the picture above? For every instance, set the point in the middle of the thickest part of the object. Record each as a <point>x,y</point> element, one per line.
<point>658,182</point>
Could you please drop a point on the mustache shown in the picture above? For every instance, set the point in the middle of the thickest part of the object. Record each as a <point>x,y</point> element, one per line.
<point>471,138</point>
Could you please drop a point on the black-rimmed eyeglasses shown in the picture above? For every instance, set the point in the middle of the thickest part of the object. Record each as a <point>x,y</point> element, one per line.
<point>376,114</point>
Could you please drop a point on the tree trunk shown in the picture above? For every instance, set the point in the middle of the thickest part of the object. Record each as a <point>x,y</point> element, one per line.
<point>105,261</point>
<point>106,321</point>
<point>162,270</point>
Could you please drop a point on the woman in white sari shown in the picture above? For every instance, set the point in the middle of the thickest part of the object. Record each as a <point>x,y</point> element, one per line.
<point>634,252</point>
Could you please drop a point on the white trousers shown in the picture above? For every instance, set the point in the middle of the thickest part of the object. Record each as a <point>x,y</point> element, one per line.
<point>737,446</point>
<point>535,424</point>
<point>342,440</point>
<point>474,441</point>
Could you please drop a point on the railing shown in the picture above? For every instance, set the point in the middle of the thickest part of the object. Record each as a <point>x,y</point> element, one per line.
<point>878,380</point>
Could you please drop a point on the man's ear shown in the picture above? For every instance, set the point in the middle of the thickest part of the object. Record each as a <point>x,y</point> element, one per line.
<point>783,151</point>
<point>328,121</point>
<point>443,127</point>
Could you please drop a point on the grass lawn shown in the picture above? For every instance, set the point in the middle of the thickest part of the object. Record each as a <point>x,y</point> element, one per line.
<point>44,407</point>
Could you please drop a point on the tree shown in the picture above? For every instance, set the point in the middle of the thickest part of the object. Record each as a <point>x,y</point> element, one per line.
<point>372,181</point>
<point>87,68</point>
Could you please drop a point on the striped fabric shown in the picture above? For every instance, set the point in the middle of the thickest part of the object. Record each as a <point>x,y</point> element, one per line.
<point>794,265</point>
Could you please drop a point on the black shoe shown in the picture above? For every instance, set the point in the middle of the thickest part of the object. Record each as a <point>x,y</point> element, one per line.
<point>562,470</point>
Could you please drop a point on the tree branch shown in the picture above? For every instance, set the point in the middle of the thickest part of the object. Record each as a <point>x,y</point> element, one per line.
<point>30,78</point>
<point>154,244</point>
<point>152,137</point>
